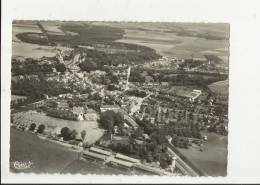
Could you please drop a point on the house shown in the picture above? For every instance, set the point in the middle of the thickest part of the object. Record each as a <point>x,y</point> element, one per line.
<point>78,112</point>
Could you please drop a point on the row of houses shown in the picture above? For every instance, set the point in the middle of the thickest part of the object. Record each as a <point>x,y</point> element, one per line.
<point>61,109</point>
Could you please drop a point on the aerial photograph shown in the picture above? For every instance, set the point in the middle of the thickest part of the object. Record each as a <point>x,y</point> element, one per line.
<point>119,98</point>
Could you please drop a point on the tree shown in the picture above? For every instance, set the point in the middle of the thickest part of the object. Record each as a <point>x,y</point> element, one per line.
<point>83,134</point>
<point>139,132</point>
<point>32,127</point>
<point>148,156</point>
<point>60,67</point>
<point>88,66</point>
<point>73,134</point>
<point>164,160</point>
<point>41,128</point>
<point>65,133</point>
<point>109,119</point>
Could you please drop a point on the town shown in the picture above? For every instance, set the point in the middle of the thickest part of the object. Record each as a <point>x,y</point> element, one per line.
<point>122,104</point>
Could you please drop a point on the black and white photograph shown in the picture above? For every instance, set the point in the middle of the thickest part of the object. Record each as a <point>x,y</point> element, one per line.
<point>127,98</point>
<point>130,91</point>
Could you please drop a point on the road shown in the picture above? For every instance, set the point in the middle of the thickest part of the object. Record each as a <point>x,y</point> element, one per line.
<point>181,165</point>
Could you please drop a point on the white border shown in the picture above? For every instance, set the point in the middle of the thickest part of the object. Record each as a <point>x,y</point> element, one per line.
<point>244,125</point>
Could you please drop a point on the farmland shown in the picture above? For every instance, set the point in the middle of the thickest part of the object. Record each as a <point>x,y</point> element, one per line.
<point>175,40</point>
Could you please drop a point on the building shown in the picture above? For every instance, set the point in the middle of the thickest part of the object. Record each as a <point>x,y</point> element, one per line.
<point>193,95</point>
<point>100,151</point>
<point>15,99</point>
<point>37,104</point>
<point>165,84</point>
<point>125,164</point>
<point>95,156</point>
<point>105,108</point>
<point>90,115</point>
<point>126,158</point>
<point>78,112</point>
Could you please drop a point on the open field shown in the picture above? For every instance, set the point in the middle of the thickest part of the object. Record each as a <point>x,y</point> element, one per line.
<point>28,50</point>
<point>170,38</point>
<point>91,127</point>
<point>213,160</point>
<point>86,167</point>
<point>25,27</point>
<point>52,27</point>
<point>220,87</point>
<point>23,49</point>
<point>50,157</point>
<point>45,156</point>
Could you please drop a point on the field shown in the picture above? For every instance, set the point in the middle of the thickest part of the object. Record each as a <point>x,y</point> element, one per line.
<point>46,156</point>
<point>91,127</point>
<point>29,50</point>
<point>20,48</point>
<point>220,87</point>
<point>50,157</point>
<point>21,28</point>
<point>52,27</point>
<point>169,38</point>
<point>213,160</point>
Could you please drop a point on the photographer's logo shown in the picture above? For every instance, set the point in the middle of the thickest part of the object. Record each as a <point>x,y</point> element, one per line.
<point>22,165</point>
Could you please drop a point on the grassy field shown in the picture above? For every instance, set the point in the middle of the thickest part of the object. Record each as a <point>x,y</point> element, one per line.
<point>93,132</point>
<point>45,156</point>
<point>220,87</point>
<point>50,157</point>
<point>213,160</point>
